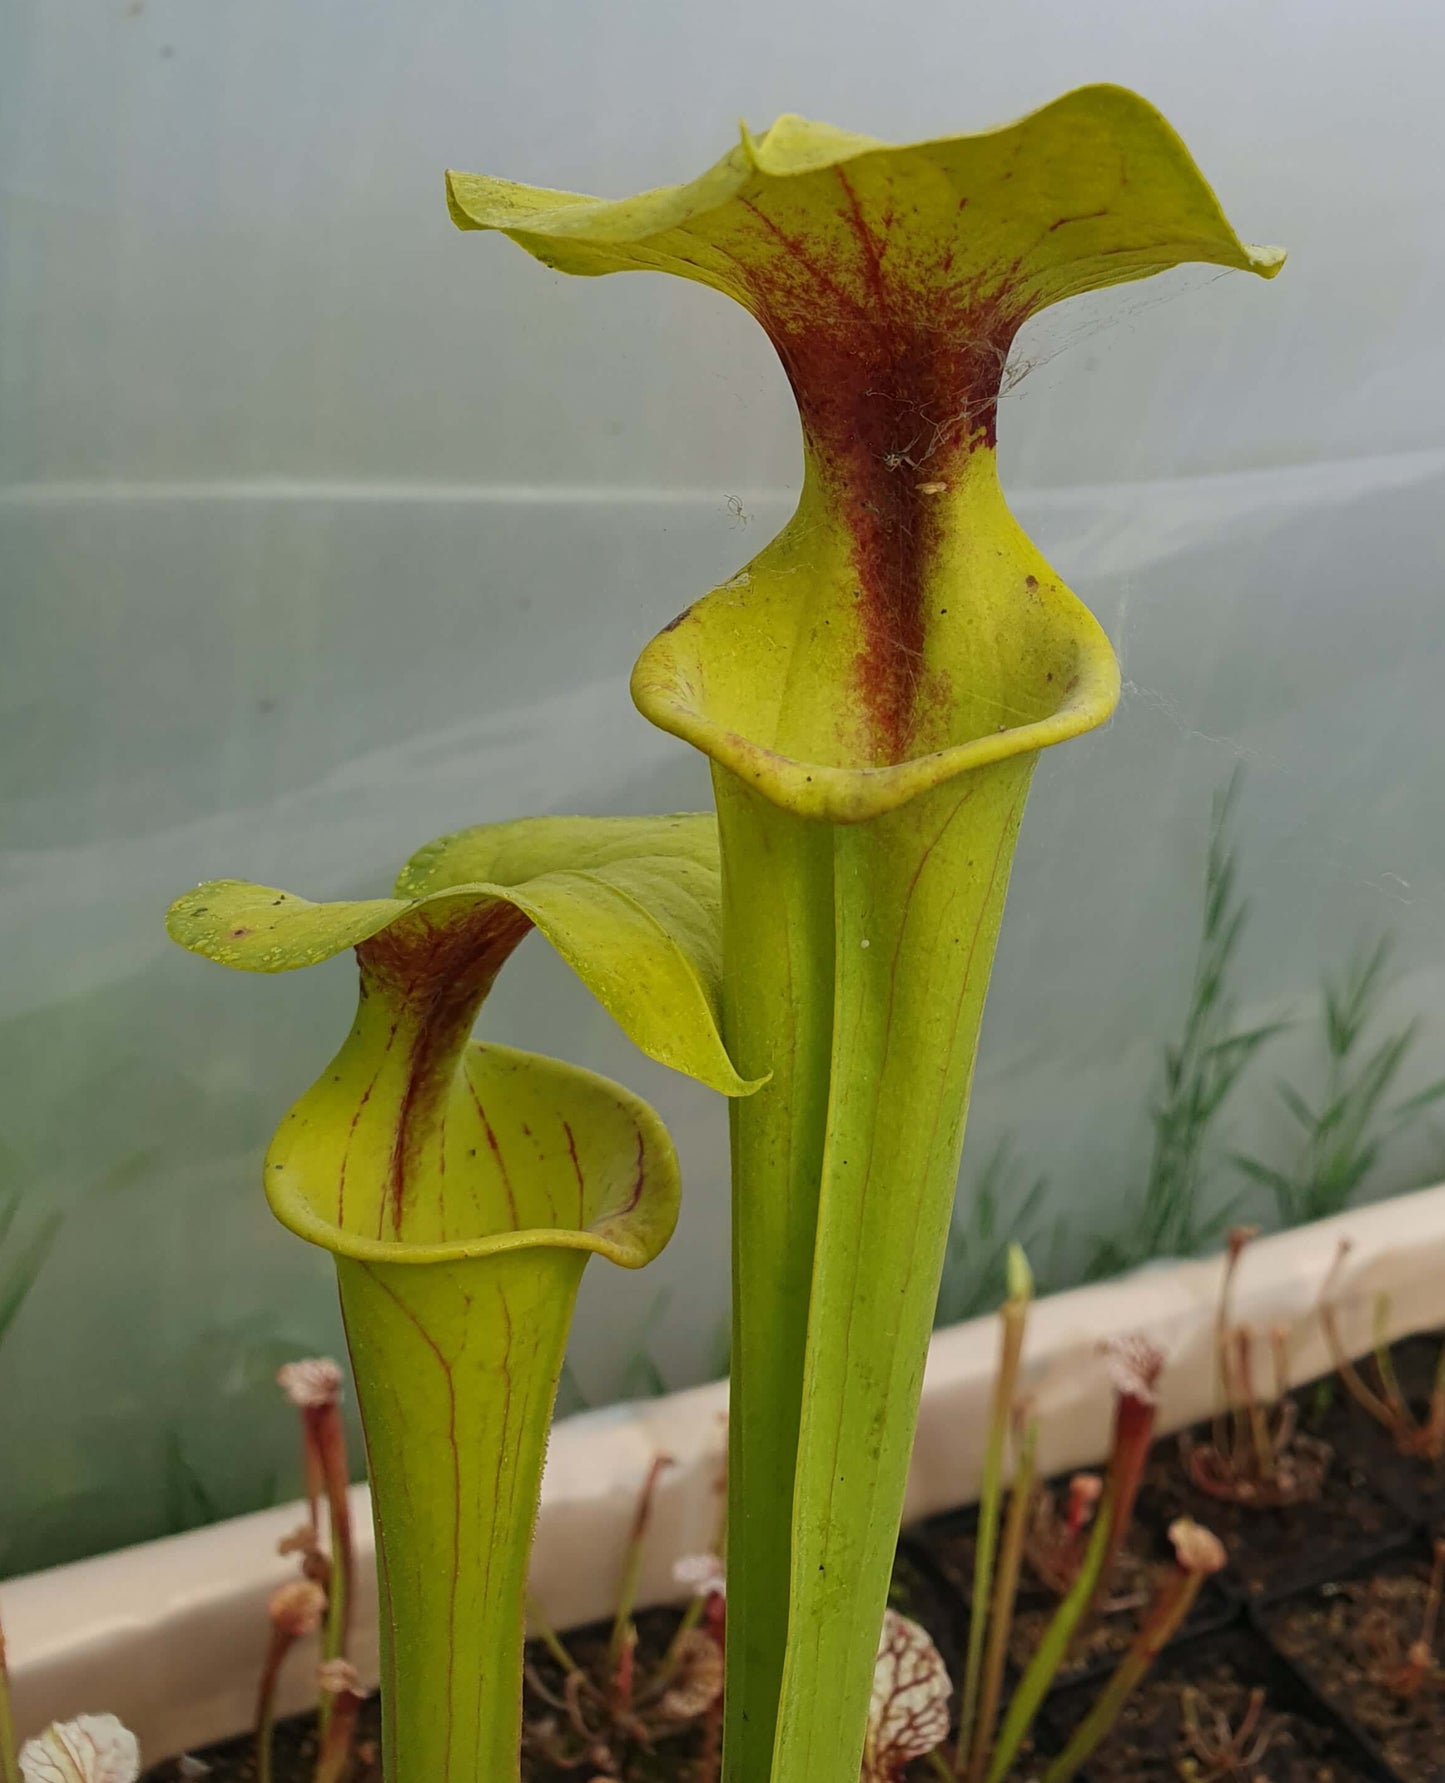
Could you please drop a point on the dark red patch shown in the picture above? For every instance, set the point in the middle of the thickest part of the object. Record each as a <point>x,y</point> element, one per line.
<point>438,973</point>
<point>896,367</point>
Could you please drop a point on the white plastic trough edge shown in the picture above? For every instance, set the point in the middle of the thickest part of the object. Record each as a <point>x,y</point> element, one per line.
<point>169,1635</point>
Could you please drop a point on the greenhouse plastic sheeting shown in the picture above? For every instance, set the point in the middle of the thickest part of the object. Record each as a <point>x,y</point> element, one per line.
<point>325,529</point>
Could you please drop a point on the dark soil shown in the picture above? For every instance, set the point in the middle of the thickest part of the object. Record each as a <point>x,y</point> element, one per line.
<point>1150,1742</point>
<point>1293,1612</point>
<point>917,1594</point>
<point>295,1754</point>
<point>673,1760</point>
<point>1273,1551</point>
<point>1415,1360</point>
<point>1348,1638</point>
<point>555,1753</point>
<point>950,1543</point>
<point>1413,1482</point>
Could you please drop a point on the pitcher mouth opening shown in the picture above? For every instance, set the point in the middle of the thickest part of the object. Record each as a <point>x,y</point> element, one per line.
<point>1062,680</point>
<point>633,1208</point>
<point>855,795</point>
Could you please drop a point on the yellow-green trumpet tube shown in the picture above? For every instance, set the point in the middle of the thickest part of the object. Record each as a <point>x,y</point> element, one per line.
<point>456,1349</point>
<point>461,1187</point>
<point>873,691</point>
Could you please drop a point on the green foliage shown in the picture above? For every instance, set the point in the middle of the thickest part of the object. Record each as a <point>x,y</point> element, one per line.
<point>189,1502</point>
<point>1001,1211</point>
<point>226,1382</point>
<point>25,1243</point>
<point>1026,1700</point>
<point>1198,1074</point>
<point>1345,1132</point>
<point>1201,1070</point>
<point>988,1744</point>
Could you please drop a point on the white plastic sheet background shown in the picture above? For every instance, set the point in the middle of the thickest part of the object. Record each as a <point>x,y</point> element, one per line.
<point>324,529</point>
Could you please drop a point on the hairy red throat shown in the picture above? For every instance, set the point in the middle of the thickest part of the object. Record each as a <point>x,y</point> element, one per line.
<point>896,367</point>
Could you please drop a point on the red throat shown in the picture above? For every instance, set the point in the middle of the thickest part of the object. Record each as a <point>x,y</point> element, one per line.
<point>896,367</point>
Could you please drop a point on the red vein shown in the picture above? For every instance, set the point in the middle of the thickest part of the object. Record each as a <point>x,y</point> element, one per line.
<point>1091,216</point>
<point>505,1449</point>
<point>637,1182</point>
<point>496,1153</point>
<point>351,1130</point>
<point>577,1169</point>
<point>799,253</point>
<point>867,242</point>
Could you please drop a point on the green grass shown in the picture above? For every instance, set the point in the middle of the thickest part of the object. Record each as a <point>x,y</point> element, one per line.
<point>1344,1131</point>
<point>1001,1211</point>
<point>24,1245</point>
<point>1198,1074</point>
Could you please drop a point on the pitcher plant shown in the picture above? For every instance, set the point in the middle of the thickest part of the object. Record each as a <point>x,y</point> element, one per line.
<point>873,691</point>
<point>461,1187</point>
